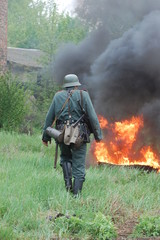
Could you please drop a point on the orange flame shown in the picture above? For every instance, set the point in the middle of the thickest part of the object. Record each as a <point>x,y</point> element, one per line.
<point>103,122</point>
<point>119,146</point>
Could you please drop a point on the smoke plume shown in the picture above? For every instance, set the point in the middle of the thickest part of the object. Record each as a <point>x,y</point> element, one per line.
<point>122,73</point>
<point>114,14</point>
<point>127,74</point>
<point>79,59</point>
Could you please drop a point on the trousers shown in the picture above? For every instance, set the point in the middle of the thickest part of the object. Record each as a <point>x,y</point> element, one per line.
<point>77,157</point>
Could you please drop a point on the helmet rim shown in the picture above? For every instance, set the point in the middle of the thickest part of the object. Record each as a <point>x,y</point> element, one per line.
<point>71,81</point>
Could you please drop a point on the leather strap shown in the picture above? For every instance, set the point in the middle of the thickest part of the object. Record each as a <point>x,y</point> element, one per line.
<point>81,98</point>
<point>70,94</point>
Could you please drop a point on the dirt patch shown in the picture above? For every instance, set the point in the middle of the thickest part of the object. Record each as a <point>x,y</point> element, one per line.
<point>125,230</point>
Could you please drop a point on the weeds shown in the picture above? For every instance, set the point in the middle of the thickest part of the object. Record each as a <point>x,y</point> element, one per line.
<point>148,227</point>
<point>100,228</point>
<point>31,188</point>
<point>6,233</point>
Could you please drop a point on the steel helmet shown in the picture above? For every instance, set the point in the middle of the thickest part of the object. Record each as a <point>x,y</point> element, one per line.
<point>71,80</point>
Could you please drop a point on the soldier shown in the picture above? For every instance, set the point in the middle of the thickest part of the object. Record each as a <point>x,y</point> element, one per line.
<point>72,157</point>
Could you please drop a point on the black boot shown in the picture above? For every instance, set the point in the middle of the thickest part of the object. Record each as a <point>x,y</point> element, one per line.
<point>67,173</point>
<point>77,187</point>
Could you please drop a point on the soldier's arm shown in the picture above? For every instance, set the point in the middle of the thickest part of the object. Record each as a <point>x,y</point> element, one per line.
<point>92,117</point>
<point>49,120</point>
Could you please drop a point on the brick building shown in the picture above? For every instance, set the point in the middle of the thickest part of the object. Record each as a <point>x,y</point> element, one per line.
<point>3,34</point>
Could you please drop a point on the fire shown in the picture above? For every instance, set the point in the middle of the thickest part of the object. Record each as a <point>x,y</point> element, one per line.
<point>103,122</point>
<point>120,146</point>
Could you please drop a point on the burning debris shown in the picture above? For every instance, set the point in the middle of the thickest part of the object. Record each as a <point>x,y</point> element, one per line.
<point>123,77</point>
<point>120,145</point>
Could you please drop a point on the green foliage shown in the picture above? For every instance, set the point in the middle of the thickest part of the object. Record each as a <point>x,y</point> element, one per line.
<point>57,29</point>
<point>148,227</point>
<point>42,92</point>
<point>38,24</point>
<point>74,225</point>
<point>22,24</point>
<point>12,103</point>
<point>101,228</point>
<point>23,106</point>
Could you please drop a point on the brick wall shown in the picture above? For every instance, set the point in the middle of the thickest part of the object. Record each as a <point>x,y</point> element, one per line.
<point>3,34</point>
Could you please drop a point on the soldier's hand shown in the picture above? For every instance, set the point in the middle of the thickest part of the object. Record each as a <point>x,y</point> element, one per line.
<point>46,143</point>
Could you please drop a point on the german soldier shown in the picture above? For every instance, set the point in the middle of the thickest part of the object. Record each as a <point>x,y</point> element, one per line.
<point>72,157</point>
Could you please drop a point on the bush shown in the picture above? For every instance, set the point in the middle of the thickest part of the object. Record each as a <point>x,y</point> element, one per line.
<point>148,227</point>
<point>12,103</point>
<point>42,92</point>
<point>101,228</point>
<point>65,225</point>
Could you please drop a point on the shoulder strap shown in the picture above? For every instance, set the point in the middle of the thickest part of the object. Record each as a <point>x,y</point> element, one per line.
<point>70,94</point>
<point>81,99</point>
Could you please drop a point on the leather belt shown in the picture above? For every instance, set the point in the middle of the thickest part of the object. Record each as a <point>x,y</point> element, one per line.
<point>58,122</point>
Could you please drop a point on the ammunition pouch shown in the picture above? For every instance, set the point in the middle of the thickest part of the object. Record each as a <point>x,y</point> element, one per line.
<point>68,134</point>
<point>71,134</point>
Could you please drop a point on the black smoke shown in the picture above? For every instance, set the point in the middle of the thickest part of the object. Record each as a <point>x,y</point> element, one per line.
<point>122,74</point>
<point>127,74</point>
<point>115,15</point>
<point>79,59</point>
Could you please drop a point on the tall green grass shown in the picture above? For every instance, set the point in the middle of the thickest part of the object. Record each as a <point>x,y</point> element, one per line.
<point>32,192</point>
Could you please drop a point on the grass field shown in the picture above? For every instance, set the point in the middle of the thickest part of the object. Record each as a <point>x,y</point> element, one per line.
<point>32,195</point>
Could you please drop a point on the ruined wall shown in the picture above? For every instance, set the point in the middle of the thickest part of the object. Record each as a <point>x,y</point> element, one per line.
<point>3,34</point>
